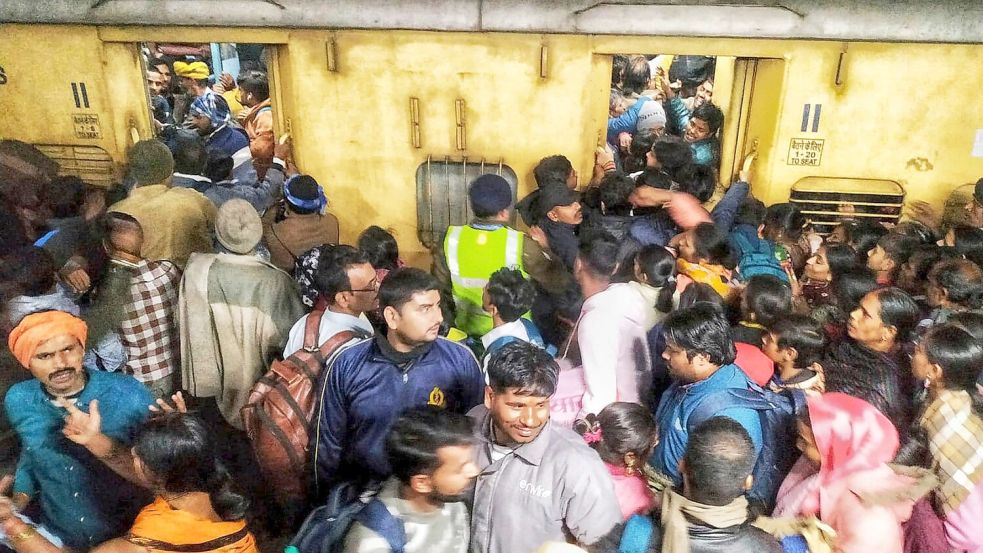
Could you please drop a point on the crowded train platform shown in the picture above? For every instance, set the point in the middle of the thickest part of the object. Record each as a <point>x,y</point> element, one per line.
<point>642,359</point>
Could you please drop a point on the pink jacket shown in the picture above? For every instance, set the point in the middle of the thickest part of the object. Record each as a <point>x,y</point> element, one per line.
<point>613,346</point>
<point>633,494</point>
<point>964,526</point>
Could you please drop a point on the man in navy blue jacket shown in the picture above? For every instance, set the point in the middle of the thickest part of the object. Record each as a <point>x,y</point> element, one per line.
<point>366,386</point>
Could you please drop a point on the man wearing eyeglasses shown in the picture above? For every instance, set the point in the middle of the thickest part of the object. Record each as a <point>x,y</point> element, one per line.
<point>347,287</point>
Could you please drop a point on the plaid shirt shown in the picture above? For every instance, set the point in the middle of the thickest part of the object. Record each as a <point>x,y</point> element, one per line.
<point>149,327</point>
<point>955,435</point>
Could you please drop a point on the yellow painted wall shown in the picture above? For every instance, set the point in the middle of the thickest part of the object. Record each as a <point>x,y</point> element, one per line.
<point>906,112</point>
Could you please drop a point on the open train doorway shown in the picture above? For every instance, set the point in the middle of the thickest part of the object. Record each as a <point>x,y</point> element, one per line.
<point>217,94</point>
<point>724,107</point>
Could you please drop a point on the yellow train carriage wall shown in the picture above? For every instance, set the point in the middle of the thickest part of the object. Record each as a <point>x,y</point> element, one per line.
<point>367,108</point>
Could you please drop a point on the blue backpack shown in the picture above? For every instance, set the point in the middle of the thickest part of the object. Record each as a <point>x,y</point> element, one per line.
<point>324,530</point>
<point>777,412</point>
<point>757,258</point>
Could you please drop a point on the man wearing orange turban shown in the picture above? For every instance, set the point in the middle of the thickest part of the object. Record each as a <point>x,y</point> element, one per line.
<point>83,501</point>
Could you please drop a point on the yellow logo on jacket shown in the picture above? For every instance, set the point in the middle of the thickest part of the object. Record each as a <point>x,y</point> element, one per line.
<point>437,398</point>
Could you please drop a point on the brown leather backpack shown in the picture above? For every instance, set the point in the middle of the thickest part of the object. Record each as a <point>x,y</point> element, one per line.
<point>278,414</point>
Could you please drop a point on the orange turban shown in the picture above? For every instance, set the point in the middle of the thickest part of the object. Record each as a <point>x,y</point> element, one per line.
<point>35,329</point>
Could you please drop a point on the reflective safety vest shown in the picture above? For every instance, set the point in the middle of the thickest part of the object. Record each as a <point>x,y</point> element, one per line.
<point>472,256</point>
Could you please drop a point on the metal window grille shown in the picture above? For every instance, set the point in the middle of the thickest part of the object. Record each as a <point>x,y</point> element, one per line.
<point>826,202</point>
<point>442,193</point>
<point>90,163</point>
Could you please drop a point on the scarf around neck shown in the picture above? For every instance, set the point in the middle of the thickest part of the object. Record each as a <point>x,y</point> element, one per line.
<point>676,509</point>
<point>955,435</point>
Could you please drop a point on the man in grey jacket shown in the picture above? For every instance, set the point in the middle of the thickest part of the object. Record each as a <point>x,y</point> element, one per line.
<point>538,482</point>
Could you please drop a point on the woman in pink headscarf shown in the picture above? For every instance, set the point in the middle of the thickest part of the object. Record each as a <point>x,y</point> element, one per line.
<point>844,479</point>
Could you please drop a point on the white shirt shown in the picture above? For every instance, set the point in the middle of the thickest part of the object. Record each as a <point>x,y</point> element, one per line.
<point>331,323</point>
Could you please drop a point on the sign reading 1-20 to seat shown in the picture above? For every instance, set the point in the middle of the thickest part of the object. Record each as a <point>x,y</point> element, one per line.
<point>805,151</point>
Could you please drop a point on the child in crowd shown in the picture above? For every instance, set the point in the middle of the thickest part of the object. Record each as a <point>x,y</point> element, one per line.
<point>765,298</point>
<point>795,343</point>
<point>507,297</point>
<point>623,434</point>
<point>886,258</point>
<point>705,255</point>
<point>830,259</point>
<point>655,279</point>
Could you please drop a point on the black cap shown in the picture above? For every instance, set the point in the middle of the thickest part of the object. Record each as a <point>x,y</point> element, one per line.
<point>555,194</point>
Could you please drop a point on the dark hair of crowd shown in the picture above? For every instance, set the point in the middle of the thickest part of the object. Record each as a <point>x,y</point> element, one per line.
<point>618,65</point>
<point>511,293</point>
<point>190,156</point>
<point>850,286</point>
<point>656,178</point>
<point>181,457</point>
<point>752,212</point>
<point>969,243</point>
<point>865,234</point>
<point>625,428</point>
<point>962,280</point>
<point>713,244</point>
<point>970,321</point>
<point>64,195</point>
<point>637,75</point>
<point>710,114</point>
<point>218,165</point>
<point>636,159</point>
<point>614,191</point>
<point>331,276</point>
<point>659,268</point>
<point>674,155</point>
<point>401,284</point>
<point>524,368</point>
<point>783,222</point>
<point>417,435</point>
<point>256,82</point>
<point>599,255</point>
<point>897,310</point>
<point>702,293</point>
<point>554,168</point>
<point>916,230</point>
<point>960,355</point>
<point>702,182</point>
<point>842,257</point>
<point>380,246</point>
<point>767,298</point>
<point>700,330</point>
<point>802,333</point>
<point>898,248</point>
<point>27,271</point>
<point>719,458</point>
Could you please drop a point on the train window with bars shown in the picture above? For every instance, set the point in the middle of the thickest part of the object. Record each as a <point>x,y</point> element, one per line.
<point>92,164</point>
<point>442,193</point>
<point>826,201</point>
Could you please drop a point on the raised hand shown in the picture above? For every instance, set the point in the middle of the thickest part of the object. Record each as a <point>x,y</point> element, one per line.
<point>164,407</point>
<point>80,427</point>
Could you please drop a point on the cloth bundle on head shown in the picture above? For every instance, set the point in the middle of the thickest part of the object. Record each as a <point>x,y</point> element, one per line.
<point>213,107</point>
<point>197,70</point>
<point>151,162</point>
<point>37,328</point>
<point>238,227</point>
<point>303,192</point>
<point>489,194</point>
<point>651,118</point>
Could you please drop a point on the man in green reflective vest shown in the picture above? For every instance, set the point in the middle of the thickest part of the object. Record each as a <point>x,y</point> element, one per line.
<point>469,254</point>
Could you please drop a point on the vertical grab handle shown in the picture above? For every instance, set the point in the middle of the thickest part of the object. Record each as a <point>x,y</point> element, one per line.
<point>462,139</point>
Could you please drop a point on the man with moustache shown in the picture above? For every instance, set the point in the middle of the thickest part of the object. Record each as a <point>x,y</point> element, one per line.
<point>82,500</point>
<point>366,386</point>
<point>539,482</point>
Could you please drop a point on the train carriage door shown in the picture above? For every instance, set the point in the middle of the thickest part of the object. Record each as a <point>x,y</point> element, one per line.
<point>756,103</point>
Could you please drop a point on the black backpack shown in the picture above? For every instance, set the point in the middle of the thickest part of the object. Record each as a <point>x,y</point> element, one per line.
<point>324,530</point>
<point>777,412</point>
